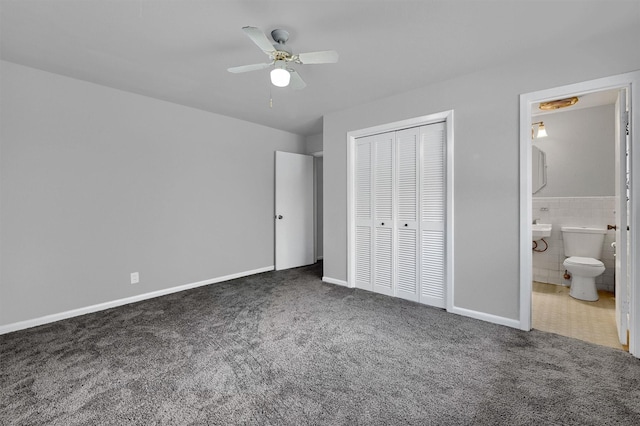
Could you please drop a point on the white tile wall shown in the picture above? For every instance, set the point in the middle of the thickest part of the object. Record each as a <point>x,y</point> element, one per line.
<point>569,211</point>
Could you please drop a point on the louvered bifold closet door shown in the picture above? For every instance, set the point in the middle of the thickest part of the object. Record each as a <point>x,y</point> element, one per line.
<point>432,214</point>
<point>407,144</point>
<point>383,211</point>
<point>364,216</point>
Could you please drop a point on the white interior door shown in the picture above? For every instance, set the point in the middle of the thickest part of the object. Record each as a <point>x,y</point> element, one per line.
<point>294,210</point>
<point>432,214</point>
<point>399,213</point>
<point>363,213</point>
<point>622,205</point>
<point>407,214</point>
<point>383,212</point>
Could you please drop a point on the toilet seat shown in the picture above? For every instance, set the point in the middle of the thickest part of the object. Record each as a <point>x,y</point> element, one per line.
<point>583,261</point>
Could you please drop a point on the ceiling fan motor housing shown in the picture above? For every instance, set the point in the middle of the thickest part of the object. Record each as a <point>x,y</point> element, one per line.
<point>281,37</point>
<point>281,55</point>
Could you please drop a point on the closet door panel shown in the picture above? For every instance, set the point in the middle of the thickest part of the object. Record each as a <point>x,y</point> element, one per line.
<point>407,143</point>
<point>432,214</point>
<point>364,217</point>
<point>383,210</point>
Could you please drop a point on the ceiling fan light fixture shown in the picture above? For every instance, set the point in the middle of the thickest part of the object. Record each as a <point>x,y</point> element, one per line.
<point>280,77</point>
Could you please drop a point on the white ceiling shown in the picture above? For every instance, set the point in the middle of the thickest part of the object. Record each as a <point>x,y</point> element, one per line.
<point>179,50</point>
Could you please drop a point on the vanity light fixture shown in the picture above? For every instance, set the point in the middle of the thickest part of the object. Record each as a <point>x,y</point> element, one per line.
<point>542,132</point>
<point>558,103</point>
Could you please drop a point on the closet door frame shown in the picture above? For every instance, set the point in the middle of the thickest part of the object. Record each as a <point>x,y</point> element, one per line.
<point>447,118</point>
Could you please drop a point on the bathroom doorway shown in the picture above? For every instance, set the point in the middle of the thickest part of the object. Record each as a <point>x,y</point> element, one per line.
<point>574,185</point>
<point>579,180</point>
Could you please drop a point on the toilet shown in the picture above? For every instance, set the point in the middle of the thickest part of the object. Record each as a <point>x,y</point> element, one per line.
<point>583,248</point>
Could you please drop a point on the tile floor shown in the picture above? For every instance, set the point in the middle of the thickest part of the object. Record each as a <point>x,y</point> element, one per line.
<point>556,312</point>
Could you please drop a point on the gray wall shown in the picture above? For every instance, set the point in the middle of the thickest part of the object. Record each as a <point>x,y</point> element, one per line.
<point>580,152</point>
<point>314,143</point>
<point>486,184</point>
<point>98,183</point>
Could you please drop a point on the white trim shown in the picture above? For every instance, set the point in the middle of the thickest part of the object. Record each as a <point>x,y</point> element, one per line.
<point>315,210</point>
<point>21,325</point>
<point>351,190</point>
<point>630,81</point>
<point>526,215</point>
<point>447,117</point>
<point>318,154</point>
<point>316,194</point>
<point>450,228</point>
<point>335,281</point>
<point>400,125</point>
<point>485,317</point>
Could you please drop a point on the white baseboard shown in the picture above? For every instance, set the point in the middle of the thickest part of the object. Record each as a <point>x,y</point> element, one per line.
<point>335,281</point>
<point>21,325</point>
<point>485,317</point>
<point>319,258</point>
<point>456,310</point>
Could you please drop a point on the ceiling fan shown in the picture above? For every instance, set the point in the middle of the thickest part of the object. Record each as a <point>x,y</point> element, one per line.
<point>281,57</point>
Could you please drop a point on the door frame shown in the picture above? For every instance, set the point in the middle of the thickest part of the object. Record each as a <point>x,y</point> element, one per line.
<point>445,116</point>
<point>316,196</point>
<point>630,82</point>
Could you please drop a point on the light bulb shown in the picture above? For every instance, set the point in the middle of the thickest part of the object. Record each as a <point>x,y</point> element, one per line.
<point>280,77</point>
<point>542,132</point>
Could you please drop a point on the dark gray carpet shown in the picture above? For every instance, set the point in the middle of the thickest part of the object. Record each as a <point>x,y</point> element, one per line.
<point>283,348</point>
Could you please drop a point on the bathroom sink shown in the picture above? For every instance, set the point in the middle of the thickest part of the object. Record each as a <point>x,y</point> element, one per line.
<point>540,230</point>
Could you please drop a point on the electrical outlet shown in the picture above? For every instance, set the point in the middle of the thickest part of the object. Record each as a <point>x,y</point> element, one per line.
<point>135,277</point>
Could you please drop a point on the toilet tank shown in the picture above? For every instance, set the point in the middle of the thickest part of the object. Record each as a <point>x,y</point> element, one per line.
<point>583,241</point>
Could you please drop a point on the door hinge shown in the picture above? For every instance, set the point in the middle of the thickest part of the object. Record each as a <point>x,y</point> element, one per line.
<point>626,123</point>
<point>624,308</point>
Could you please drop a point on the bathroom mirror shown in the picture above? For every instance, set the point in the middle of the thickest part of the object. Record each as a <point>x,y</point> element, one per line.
<point>538,169</point>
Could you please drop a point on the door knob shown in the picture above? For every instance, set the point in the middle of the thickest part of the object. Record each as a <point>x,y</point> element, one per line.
<point>279,216</point>
<point>382,224</point>
<point>406,224</point>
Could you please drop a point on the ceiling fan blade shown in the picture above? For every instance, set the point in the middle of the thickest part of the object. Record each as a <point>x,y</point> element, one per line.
<point>296,81</point>
<point>253,67</point>
<point>324,57</point>
<point>259,38</point>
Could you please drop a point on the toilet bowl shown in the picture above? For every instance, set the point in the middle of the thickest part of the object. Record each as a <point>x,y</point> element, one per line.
<point>583,246</point>
<point>584,271</point>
